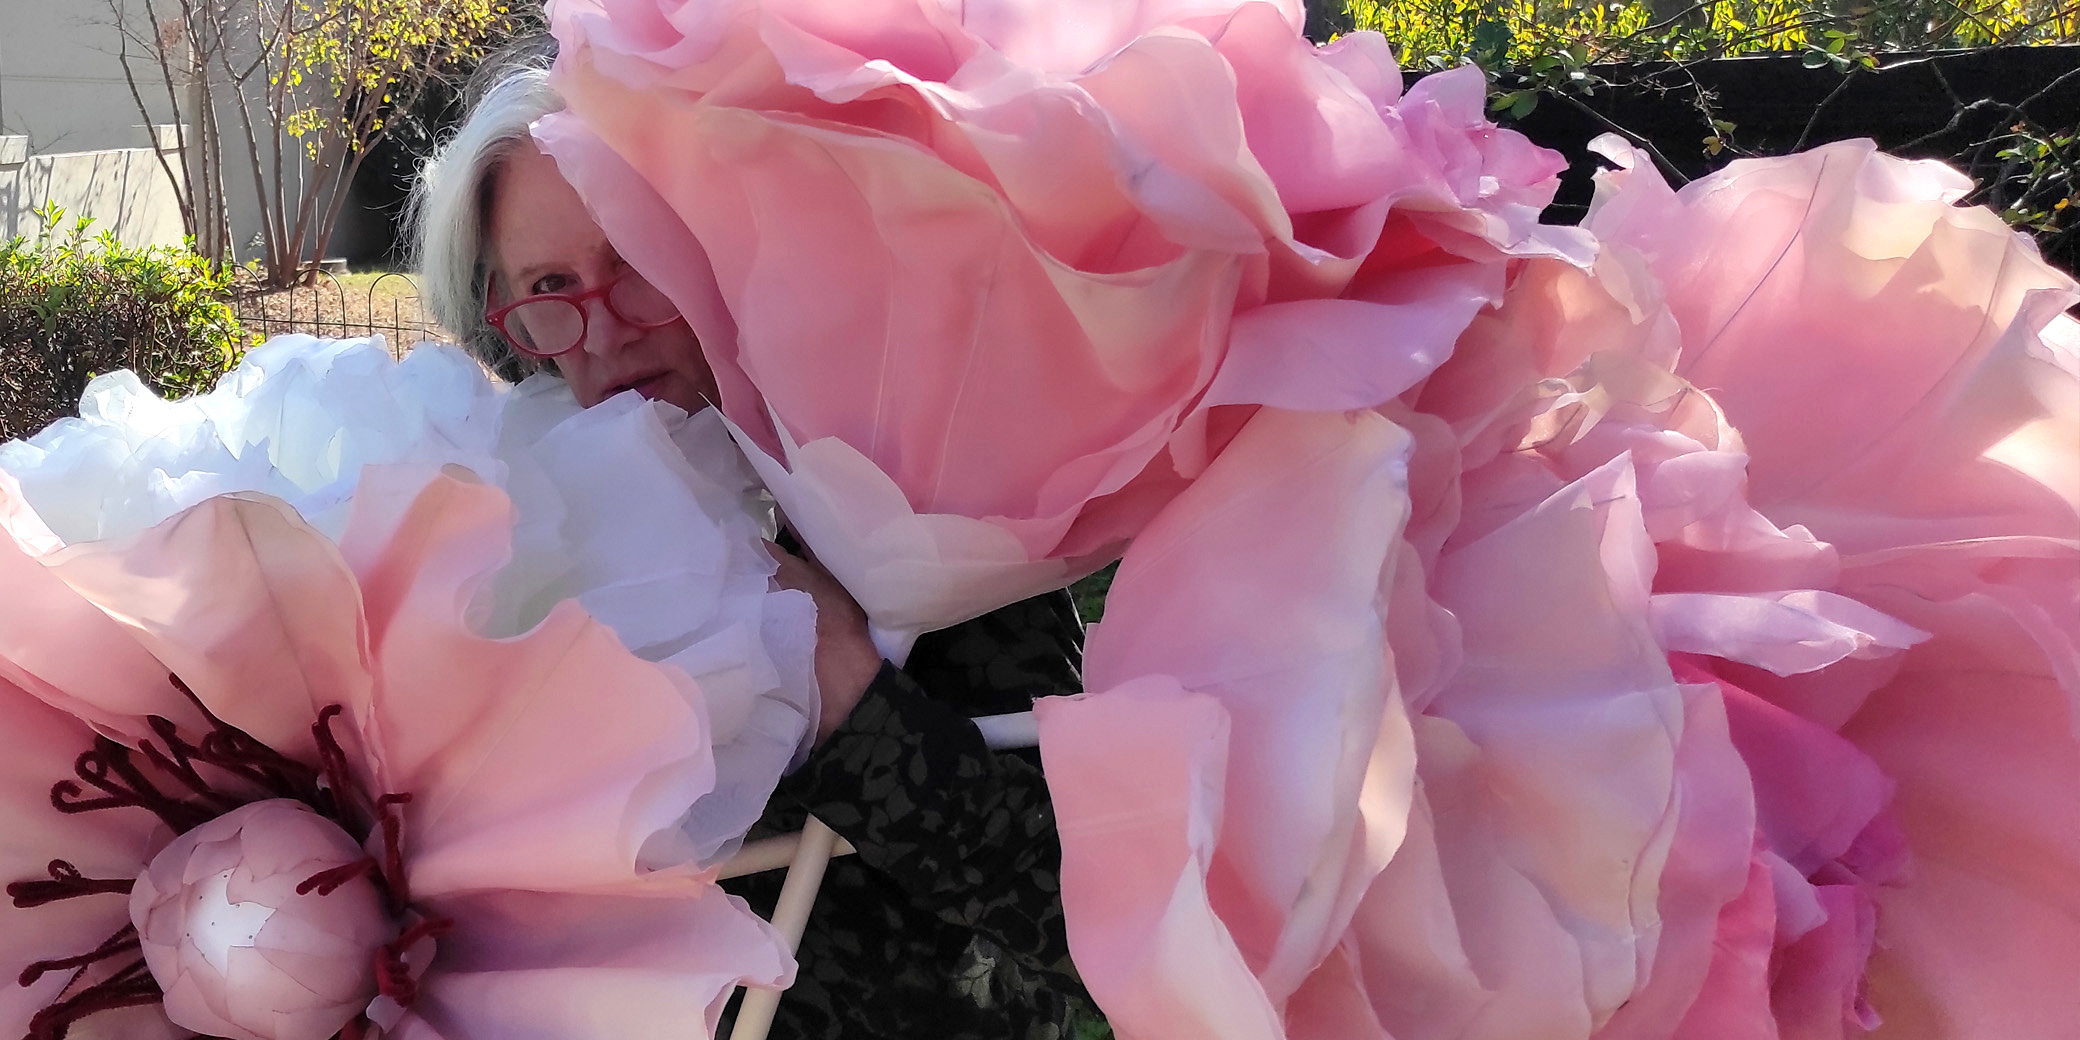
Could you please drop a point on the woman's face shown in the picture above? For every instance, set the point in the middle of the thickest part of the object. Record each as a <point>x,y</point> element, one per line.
<point>541,240</point>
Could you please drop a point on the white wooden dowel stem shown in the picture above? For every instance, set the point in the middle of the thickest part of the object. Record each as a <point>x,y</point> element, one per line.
<point>790,916</point>
<point>757,857</point>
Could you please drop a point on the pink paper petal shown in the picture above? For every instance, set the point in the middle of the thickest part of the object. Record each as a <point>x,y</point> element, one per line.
<point>1706,874</point>
<point>564,966</point>
<point>1979,733</point>
<point>1551,757</point>
<point>1935,324</point>
<point>1734,1001</point>
<point>60,647</point>
<point>911,571</point>
<point>1784,632</point>
<point>1317,775</point>
<point>252,608</point>
<point>1143,932</point>
<point>1332,355</point>
<point>502,795</point>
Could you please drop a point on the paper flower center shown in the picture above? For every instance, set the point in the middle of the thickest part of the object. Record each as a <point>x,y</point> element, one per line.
<point>264,884</point>
<point>231,900</point>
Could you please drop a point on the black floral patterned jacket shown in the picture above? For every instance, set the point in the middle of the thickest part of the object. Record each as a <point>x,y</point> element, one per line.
<point>948,923</point>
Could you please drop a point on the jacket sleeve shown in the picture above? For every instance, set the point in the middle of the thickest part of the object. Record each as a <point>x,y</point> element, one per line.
<point>967,832</point>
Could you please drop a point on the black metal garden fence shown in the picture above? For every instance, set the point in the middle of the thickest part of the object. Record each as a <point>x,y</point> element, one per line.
<point>390,306</point>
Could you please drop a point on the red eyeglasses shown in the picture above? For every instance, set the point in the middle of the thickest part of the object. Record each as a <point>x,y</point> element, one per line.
<point>548,324</point>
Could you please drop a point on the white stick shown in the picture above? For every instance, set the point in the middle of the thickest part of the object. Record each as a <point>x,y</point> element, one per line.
<point>757,857</point>
<point>1004,732</point>
<point>790,916</point>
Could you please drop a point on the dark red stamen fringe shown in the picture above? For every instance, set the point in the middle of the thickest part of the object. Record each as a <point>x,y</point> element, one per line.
<point>66,882</point>
<point>178,761</point>
<point>123,941</point>
<point>326,882</point>
<point>130,986</point>
<point>332,760</point>
<point>393,849</point>
<point>108,768</point>
<point>233,750</point>
<point>393,975</point>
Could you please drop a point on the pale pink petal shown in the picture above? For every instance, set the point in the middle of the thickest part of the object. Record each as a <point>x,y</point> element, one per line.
<point>1316,128</point>
<point>1552,319</point>
<point>1188,165</point>
<point>1072,36</point>
<point>990,336</point>
<point>1705,876</point>
<point>1733,1003</point>
<point>42,745</point>
<point>1317,775</point>
<point>60,647</point>
<point>1978,732</point>
<point>1494,182</point>
<point>502,795</point>
<point>1142,927</point>
<point>1333,1001</point>
<point>1453,940</point>
<point>1332,355</point>
<point>911,572</point>
<point>1093,369</point>
<point>1549,758</point>
<point>1815,792</point>
<point>1933,320</point>
<point>1784,632</point>
<point>1006,240</point>
<point>1907,389</point>
<point>251,607</point>
<point>565,966</point>
<point>1819,990</point>
<point>1318,772</point>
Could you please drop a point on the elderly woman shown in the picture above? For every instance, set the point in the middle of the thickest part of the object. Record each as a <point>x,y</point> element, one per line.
<point>948,922</point>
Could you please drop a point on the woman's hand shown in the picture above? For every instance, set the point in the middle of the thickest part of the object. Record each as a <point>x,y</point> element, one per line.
<point>846,659</point>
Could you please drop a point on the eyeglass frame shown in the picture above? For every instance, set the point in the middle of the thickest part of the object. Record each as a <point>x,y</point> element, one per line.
<point>496,317</point>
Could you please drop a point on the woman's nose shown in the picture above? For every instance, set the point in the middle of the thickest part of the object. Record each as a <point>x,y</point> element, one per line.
<point>605,332</point>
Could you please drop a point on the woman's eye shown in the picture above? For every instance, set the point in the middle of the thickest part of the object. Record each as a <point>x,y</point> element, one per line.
<point>550,283</point>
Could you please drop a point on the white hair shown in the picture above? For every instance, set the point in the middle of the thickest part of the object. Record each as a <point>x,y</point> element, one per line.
<point>453,195</point>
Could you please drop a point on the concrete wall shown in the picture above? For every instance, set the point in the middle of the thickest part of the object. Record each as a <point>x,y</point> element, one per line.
<point>62,86</point>
<point>61,82</point>
<point>124,189</point>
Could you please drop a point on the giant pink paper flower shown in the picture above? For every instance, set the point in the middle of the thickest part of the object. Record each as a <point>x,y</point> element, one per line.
<point>333,807</point>
<point>1656,830</point>
<point>1420,822</point>
<point>1909,392</point>
<point>970,275</point>
<point>1241,769</point>
<point>1732,628</point>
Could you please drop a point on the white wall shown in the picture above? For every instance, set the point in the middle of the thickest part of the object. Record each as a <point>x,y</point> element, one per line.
<point>61,82</point>
<point>125,190</point>
<point>62,85</point>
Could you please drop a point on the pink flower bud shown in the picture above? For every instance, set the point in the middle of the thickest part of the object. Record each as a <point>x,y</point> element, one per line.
<point>237,951</point>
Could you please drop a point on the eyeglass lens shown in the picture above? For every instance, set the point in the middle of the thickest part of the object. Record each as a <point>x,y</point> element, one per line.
<point>635,300</point>
<point>553,326</point>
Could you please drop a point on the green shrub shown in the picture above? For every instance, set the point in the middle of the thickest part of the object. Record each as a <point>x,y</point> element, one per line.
<point>74,305</point>
<point>1571,50</point>
<point>1571,34</point>
<point>1090,593</point>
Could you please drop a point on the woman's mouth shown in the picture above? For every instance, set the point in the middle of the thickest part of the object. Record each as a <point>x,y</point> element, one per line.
<point>650,386</point>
